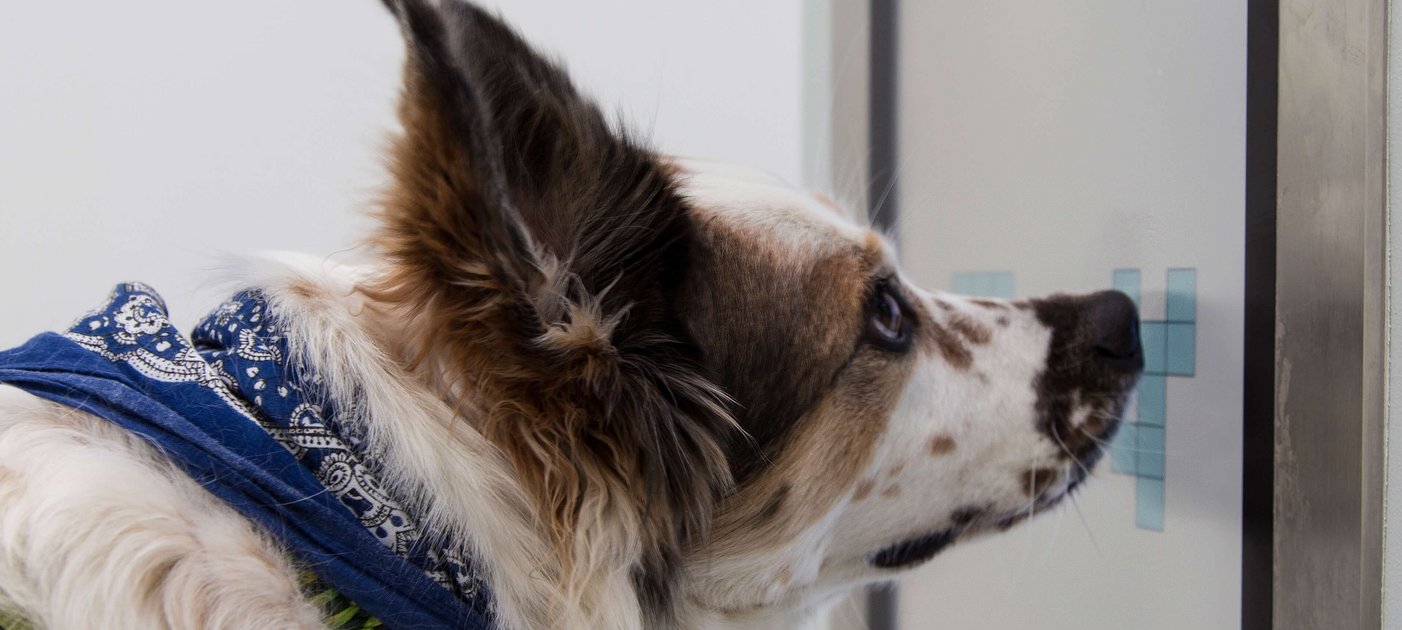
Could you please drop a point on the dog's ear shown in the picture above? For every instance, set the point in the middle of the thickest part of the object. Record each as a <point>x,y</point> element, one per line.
<point>533,247</point>
<point>511,162</point>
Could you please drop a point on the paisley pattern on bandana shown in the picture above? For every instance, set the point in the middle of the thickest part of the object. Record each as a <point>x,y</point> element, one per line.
<point>241,354</point>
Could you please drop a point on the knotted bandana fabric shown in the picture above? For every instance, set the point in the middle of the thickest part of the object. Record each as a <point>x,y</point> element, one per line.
<point>233,409</point>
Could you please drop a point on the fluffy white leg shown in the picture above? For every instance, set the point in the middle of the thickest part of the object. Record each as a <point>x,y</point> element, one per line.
<point>97,530</point>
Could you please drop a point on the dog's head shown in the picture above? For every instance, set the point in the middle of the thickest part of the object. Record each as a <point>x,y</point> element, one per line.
<point>722,383</point>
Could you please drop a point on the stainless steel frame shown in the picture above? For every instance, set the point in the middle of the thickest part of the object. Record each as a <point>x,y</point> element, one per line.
<point>1330,314</point>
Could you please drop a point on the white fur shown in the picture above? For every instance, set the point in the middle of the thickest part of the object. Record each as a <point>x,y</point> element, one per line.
<point>95,527</point>
<point>989,411</point>
<point>97,530</point>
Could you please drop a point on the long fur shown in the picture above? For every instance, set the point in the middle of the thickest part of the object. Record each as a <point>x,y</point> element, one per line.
<point>642,392</point>
<point>533,289</point>
<point>98,530</point>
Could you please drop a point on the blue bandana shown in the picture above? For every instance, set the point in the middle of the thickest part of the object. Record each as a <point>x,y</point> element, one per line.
<point>231,408</point>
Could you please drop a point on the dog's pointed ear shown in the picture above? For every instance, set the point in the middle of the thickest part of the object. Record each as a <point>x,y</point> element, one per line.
<point>532,248</point>
<point>502,158</point>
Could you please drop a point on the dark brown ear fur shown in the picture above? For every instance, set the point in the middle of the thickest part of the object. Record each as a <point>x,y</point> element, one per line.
<point>534,248</point>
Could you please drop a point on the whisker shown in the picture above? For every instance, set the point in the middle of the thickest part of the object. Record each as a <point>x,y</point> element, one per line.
<point>1097,439</point>
<point>1090,534</point>
<point>1068,452</point>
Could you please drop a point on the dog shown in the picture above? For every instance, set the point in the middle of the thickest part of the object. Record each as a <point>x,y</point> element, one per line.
<point>636,391</point>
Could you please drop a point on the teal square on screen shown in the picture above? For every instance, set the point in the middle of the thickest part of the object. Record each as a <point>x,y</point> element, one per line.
<point>1149,503</point>
<point>968,283</point>
<point>1180,343</point>
<point>1182,295</point>
<point>1153,337</point>
<point>993,284</point>
<point>1127,281</point>
<point>1123,450</point>
<point>985,285</point>
<point>1002,285</point>
<point>1152,400</point>
<point>1149,462</point>
<point>963,284</point>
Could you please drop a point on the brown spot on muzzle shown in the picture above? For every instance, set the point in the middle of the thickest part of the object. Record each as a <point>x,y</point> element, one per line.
<point>976,333</point>
<point>1036,481</point>
<point>941,445</point>
<point>951,347</point>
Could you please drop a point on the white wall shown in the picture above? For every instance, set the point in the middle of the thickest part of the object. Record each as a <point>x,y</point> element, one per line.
<point>1061,140</point>
<point>140,139</point>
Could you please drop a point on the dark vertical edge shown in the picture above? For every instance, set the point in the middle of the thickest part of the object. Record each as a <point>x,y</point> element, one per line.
<point>882,195</point>
<point>882,198</point>
<point>1258,387</point>
<point>881,607</point>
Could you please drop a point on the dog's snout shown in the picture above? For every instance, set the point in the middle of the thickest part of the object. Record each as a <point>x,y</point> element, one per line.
<point>1114,322</point>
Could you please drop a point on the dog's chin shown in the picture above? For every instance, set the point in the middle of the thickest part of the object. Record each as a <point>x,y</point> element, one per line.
<point>912,552</point>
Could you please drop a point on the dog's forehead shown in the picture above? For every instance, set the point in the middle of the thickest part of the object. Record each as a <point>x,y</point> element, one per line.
<point>761,206</point>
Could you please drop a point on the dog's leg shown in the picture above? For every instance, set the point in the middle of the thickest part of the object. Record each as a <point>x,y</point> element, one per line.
<point>97,530</point>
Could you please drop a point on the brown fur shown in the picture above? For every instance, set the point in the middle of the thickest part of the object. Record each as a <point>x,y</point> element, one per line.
<point>941,445</point>
<point>970,330</point>
<point>826,455</point>
<point>749,323</point>
<point>1038,480</point>
<point>950,346</point>
<point>537,279</point>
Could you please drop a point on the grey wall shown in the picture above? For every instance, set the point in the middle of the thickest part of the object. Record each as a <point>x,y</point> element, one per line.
<point>1059,141</point>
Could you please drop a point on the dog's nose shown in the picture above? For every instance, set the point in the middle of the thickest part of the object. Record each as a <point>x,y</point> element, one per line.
<point>1114,321</point>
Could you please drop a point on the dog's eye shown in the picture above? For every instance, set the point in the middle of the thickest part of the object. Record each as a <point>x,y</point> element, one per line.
<point>887,324</point>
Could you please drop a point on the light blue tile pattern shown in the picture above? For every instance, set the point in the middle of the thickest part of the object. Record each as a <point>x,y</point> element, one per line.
<point>1152,403</point>
<point>1002,285</point>
<point>993,284</point>
<point>1150,455</point>
<point>1123,451</point>
<point>1153,338</point>
<point>1180,349</point>
<point>1170,349</point>
<point>1126,281</point>
<point>1149,503</point>
<point>1181,296</point>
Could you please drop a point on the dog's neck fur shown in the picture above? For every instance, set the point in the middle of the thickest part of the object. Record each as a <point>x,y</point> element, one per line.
<point>462,485</point>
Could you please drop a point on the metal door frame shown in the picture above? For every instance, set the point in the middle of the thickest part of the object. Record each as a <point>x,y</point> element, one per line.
<point>1330,314</point>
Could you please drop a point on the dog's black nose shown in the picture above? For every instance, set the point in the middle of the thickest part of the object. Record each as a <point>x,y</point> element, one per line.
<point>1114,322</point>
